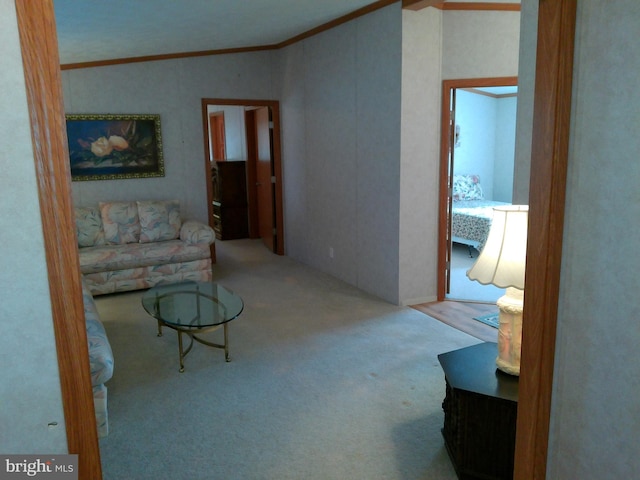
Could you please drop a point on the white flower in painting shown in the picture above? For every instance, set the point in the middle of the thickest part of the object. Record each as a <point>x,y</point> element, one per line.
<point>118,143</point>
<point>101,147</point>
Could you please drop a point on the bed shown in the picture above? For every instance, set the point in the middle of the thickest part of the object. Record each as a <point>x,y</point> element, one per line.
<point>471,214</point>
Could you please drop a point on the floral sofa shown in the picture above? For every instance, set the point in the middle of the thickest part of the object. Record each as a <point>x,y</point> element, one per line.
<point>100,360</point>
<point>138,244</point>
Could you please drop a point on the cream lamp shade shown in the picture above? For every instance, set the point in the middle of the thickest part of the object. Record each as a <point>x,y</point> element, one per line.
<point>503,258</point>
<point>502,263</point>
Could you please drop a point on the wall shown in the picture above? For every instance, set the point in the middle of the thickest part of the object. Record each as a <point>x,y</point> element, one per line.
<point>524,115</point>
<point>340,103</point>
<point>476,115</point>
<point>595,411</point>
<point>420,154</point>
<point>480,44</point>
<point>487,141</point>
<point>29,380</point>
<point>503,171</point>
<point>174,89</point>
<point>439,45</point>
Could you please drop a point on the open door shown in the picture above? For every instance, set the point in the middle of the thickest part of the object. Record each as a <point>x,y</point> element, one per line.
<point>449,139</point>
<point>260,176</point>
<point>450,129</point>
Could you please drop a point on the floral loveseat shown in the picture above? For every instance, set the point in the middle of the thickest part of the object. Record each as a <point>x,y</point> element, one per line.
<point>138,244</point>
<point>100,360</point>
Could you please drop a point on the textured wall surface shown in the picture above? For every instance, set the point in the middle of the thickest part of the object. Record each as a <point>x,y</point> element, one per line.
<point>341,127</point>
<point>30,395</point>
<point>480,44</point>
<point>173,89</point>
<point>595,411</point>
<point>437,46</point>
<point>420,156</point>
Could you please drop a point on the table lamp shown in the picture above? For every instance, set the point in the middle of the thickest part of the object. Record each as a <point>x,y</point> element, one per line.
<point>502,263</point>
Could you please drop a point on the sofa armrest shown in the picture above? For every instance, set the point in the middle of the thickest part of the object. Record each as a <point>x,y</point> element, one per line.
<point>197,232</point>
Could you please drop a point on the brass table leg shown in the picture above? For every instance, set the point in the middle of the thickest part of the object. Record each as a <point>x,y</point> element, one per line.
<point>180,351</point>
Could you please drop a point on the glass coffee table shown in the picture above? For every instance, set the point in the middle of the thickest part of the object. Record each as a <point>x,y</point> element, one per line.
<point>193,308</point>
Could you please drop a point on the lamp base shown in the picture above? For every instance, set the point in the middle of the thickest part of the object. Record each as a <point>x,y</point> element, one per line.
<point>510,331</point>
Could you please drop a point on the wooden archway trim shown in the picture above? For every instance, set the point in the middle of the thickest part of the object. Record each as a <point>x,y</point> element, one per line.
<point>36,25</point>
<point>549,159</point>
<point>550,139</point>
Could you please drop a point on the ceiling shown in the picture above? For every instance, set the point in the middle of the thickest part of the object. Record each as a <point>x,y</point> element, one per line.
<point>98,30</point>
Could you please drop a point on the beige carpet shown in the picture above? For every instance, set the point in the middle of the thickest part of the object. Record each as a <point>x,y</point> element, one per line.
<point>325,382</point>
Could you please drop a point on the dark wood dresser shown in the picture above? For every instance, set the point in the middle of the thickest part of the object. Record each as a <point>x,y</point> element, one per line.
<point>480,410</point>
<point>230,206</point>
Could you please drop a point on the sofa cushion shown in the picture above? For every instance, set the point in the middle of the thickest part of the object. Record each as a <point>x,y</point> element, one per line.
<point>108,258</point>
<point>89,227</point>
<point>159,220</point>
<point>100,354</point>
<point>120,221</point>
<point>101,283</point>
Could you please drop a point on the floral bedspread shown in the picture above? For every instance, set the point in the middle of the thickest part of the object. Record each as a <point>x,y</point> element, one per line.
<point>471,221</point>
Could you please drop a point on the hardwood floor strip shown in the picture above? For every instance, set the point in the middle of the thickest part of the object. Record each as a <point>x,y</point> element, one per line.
<point>460,315</point>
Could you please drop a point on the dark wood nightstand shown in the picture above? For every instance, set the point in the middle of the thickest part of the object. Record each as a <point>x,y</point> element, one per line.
<point>480,410</point>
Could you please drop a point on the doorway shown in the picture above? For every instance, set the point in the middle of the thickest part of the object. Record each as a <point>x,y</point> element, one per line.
<point>252,135</point>
<point>477,144</point>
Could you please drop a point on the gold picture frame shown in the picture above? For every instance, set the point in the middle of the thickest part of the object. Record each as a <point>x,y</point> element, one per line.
<point>114,147</point>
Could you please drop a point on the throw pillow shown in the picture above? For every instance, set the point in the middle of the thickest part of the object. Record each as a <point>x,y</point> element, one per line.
<point>89,227</point>
<point>467,187</point>
<point>159,220</point>
<point>120,221</point>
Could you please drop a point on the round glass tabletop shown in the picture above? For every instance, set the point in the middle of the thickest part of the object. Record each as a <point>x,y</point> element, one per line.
<point>194,305</point>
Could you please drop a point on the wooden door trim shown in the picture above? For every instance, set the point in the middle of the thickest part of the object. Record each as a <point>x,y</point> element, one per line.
<point>443,182</point>
<point>549,160</point>
<point>213,135</point>
<point>36,26</point>
<point>277,156</point>
<point>252,198</point>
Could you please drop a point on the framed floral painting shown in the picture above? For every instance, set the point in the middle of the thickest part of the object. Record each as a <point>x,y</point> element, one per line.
<point>111,147</point>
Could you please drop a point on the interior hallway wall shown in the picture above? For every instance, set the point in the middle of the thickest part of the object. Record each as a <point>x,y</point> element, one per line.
<point>595,410</point>
<point>420,154</point>
<point>341,139</point>
<point>30,392</point>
